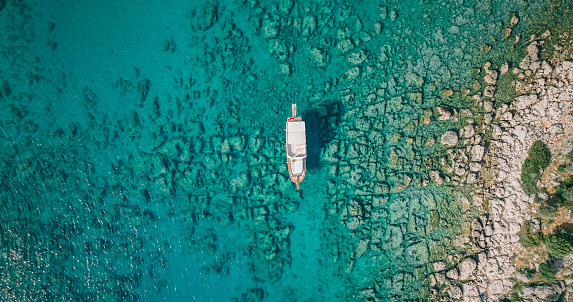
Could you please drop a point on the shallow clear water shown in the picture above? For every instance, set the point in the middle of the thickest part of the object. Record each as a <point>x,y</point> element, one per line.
<point>142,146</point>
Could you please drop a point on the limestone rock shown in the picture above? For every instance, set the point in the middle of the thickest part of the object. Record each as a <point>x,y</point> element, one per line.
<point>475,167</point>
<point>237,143</point>
<point>377,28</point>
<point>470,290</point>
<point>496,287</point>
<point>565,70</point>
<point>533,51</point>
<point>418,253</point>
<point>444,114</point>
<point>491,78</point>
<point>507,32</point>
<point>489,91</point>
<point>255,144</point>
<point>392,15</point>
<point>414,80</point>
<point>383,12</point>
<point>468,131</point>
<point>459,170</point>
<point>504,69</point>
<point>278,49</point>
<point>439,266</point>
<point>467,268</point>
<point>352,73</point>
<point>477,152</point>
<point>506,116</point>
<point>490,74</point>
<point>542,292</point>
<point>514,20</point>
<point>239,181</point>
<point>208,15</point>
<point>225,148</point>
<point>453,274</point>
<point>435,175</point>
<point>362,124</point>
<point>488,106</point>
<point>547,69</point>
<point>487,119</point>
<point>449,138</point>
<point>524,101</point>
<point>471,178</point>
<point>520,132</point>
<point>455,292</point>
<point>286,6</point>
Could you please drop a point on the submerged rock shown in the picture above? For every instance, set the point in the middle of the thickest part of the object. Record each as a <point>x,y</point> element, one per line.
<point>514,20</point>
<point>308,25</point>
<point>319,56</point>
<point>270,27</point>
<point>345,46</point>
<point>435,175</point>
<point>357,58</point>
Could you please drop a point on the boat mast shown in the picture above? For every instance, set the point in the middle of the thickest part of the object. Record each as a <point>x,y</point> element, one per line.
<point>293,110</point>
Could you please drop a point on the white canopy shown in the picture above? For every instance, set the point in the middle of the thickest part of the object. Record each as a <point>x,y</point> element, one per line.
<point>296,133</point>
<point>297,126</point>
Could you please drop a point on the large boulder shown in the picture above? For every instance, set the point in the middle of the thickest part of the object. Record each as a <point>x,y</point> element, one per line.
<point>467,268</point>
<point>449,139</point>
<point>524,101</point>
<point>477,152</point>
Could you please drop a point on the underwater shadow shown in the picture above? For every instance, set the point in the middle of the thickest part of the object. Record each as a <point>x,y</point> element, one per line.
<point>321,127</point>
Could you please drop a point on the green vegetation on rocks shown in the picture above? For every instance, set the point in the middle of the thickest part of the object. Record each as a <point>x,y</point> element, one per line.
<point>565,193</point>
<point>547,211</point>
<point>537,160</point>
<point>527,238</point>
<point>565,228</point>
<point>559,245</point>
<point>505,92</point>
<point>570,156</point>
<point>547,272</point>
<point>528,272</point>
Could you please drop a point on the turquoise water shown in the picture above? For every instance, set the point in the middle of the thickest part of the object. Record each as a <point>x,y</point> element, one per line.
<point>142,146</point>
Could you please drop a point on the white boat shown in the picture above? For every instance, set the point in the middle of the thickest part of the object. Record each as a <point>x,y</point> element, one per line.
<point>296,147</point>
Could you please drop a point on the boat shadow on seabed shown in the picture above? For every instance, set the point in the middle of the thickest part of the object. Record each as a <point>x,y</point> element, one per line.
<point>322,123</point>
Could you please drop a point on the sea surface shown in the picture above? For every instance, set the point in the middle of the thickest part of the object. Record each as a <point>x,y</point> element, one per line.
<point>142,146</point>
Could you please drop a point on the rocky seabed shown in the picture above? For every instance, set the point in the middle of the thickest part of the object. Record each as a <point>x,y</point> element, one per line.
<point>112,198</point>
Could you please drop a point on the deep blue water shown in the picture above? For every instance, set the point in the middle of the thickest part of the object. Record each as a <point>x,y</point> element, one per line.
<point>142,146</point>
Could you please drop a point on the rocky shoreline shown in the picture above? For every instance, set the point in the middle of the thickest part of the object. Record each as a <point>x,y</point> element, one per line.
<point>541,111</point>
<point>183,184</point>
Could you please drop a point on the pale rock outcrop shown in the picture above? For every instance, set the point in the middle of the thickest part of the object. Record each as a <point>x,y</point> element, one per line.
<point>449,138</point>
